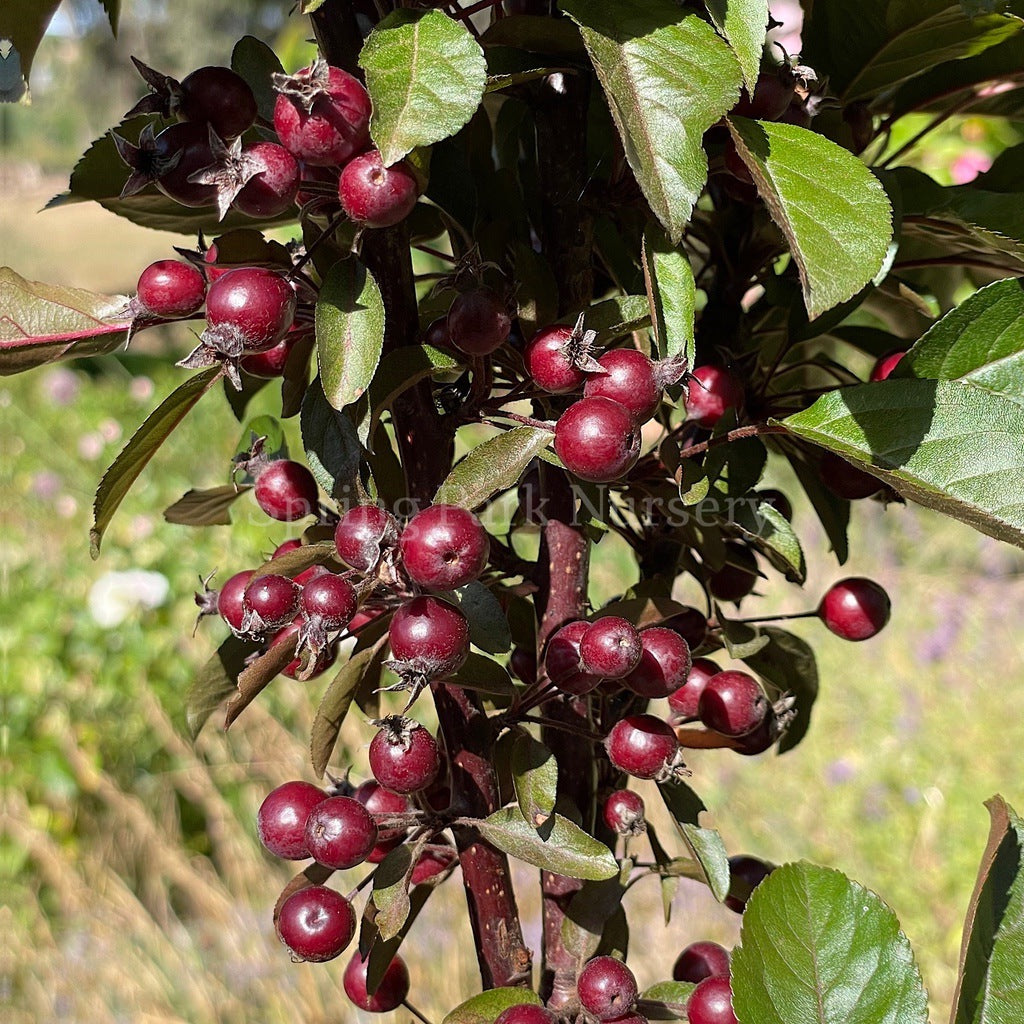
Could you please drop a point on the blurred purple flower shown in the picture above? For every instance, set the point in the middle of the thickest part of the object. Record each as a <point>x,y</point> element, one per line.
<point>61,386</point>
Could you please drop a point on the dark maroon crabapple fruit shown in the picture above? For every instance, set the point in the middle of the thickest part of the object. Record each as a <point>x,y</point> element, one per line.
<point>610,648</point>
<point>549,363</point>
<point>364,533</point>
<point>168,160</point>
<point>171,289</point>
<point>746,873</point>
<point>391,991</point>
<point>597,440</point>
<point>701,960</point>
<point>330,598</point>
<point>269,602</point>
<point>630,379</point>
<point>435,860</point>
<point>732,703</point>
<point>325,657</point>
<point>340,833</point>
<point>525,1013</point>
<point>623,812</point>
<point>710,393</point>
<point>690,624</point>
<point>444,547</point>
<point>274,184</point>
<point>684,701</point>
<point>403,756</point>
<point>316,923</point>
<point>430,634</point>
<point>252,307</point>
<point>606,988</point>
<point>773,92</point>
<point>376,196</point>
<point>562,660</point>
<point>882,370</point>
<point>270,363</point>
<point>737,577</point>
<point>846,480</point>
<point>711,1002</point>
<point>281,819</point>
<point>855,608</point>
<point>643,746</point>
<point>286,491</point>
<point>382,803</point>
<point>478,322</point>
<point>524,663</point>
<point>322,114</point>
<point>663,666</point>
<point>229,600</point>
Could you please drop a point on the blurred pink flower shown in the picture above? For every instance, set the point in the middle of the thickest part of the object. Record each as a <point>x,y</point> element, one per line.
<point>141,389</point>
<point>969,165</point>
<point>61,386</point>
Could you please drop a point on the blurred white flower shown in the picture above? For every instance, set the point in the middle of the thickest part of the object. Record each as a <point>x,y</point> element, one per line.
<point>115,595</point>
<point>141,389</point>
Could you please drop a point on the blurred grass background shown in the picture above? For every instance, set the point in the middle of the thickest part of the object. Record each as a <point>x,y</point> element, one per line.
<point>134,885</point>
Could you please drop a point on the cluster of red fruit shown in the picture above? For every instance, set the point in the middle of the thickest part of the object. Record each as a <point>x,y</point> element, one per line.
<point>322,119</point>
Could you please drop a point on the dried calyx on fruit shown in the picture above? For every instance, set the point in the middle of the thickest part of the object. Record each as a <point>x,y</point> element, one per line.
<point>558,358</point>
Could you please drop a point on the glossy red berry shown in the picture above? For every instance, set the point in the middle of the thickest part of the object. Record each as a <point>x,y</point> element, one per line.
<point>737,577</point>
<point>882,370</point>
<point>331,599</point>
<point>773,92</point>
<point>610,648</point>
<point>524,663</point>
<point>316,923</point>
<point>281,819</point>
<point>701,960</point>
<point>691,625</point>
<point>229,600</point>
<point>340,832</point>
<point>732,703</point>
<point>255,306</point>
<point>710,393</point>
<point>273,188</point>
<point>630,380</point>
<point>746,873</point>
<point>287,491</point>
<point>623,812</point>
<point>431,634</point>
<point>711,1002</point>
<point>684,701</point>
<point>663,666</point>
<point>178,152</point>
<point>270,363</point>
<point>846,480</point>
<point>606,988</point>
<point>269,602</point>
<point>643,746</point>
<point>376,196</point>
<point>363,535</point>
<point>549,364</point>
<point>597,440</point>
<point>170,289</point>
<point>218,97</point>
<point>322,115</point>
<point>382,803</point>
<point>562,660</point>
<point>444,547</point>
<point>855,608</point>
<point>391,991</point>
<point>478,322</point>
<point>525,1013</point>
<point>403,756</point>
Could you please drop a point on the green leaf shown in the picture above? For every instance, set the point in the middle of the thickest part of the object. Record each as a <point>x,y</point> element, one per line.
<point>337,699</point>
<point>125,469</point>
<point>291,563</point>
<point>982,340</point>
<point>256,62</point>
<point>493,466</point>
<point>832,511</point>
<point>704,844</point>
<point>216,681</point>
<point>535,777</point>
<point>833,211</point>
<point>617,317</point>
<point>23,25</point>
<point>989,989</point>
<point>484,675</point>
<point>668,78</point>
<point>788,663</point>
<point>381,952</point>
<point>42,323</point>
<point>349,331</point>
<point>485,1007</point>
<point>210,507</point>
<point>391,888</point>
<point>566,849</point>
<point>821,949</point>
<point>949,445</point>
<point>672,294</point>
<point>331,443</point>
<point>744,24</point>
<point>398,371</point>
<point>113,9</point>
<point>426,76</point>
<point>773,535</point>
<point>666,1000</point>
<point>589,911</point>
<point>488,625</point>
